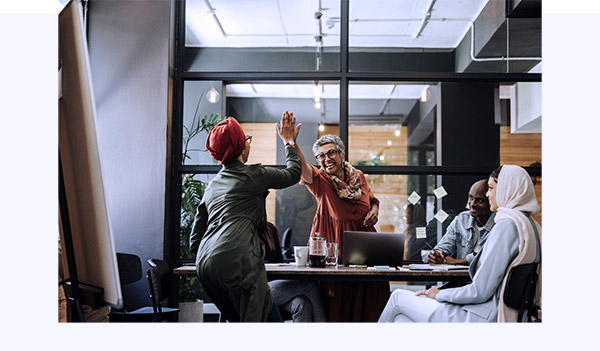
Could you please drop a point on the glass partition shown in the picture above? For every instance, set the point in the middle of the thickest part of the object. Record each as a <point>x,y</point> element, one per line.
<point>392,123</point>
<point>259,105</point>
<point>441,36</point>
<point>263,35</point>
<point>192,190</point>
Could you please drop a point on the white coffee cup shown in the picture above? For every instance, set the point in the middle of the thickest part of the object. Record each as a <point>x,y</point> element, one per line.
<point>301,255</point>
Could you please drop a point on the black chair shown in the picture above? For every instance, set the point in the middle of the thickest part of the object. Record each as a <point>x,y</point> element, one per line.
<point>160,280</point>
<point>286,250</point>
<point>520,291</point>
<point>130,271</point>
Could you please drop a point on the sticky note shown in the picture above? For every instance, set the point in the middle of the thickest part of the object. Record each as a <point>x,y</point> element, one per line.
<point>440,192</point>
<point>421,233</point>
<point>441,216</point>
<point>413,198</point>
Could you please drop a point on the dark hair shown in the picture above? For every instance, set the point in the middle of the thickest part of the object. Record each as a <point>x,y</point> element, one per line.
<point>495,173</point>
<point>268,233</point>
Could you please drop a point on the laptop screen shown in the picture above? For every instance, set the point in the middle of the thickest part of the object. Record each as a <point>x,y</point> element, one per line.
<point>372,248</point>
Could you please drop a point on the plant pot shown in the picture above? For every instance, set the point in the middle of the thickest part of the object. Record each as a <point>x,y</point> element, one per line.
<point>191,311</point>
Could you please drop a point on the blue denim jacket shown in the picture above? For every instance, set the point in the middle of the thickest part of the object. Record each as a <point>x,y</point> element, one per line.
<point>460,238</point>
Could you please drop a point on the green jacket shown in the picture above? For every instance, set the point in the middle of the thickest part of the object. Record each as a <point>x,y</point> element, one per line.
<point>229,253</point>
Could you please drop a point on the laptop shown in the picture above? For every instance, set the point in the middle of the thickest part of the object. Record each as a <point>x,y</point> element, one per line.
<point>373,249</point>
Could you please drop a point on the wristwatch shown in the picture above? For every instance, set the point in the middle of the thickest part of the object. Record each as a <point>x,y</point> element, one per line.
<point>290,143</point>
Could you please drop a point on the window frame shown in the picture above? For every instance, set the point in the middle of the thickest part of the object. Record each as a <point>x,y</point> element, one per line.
<point>175,167</point>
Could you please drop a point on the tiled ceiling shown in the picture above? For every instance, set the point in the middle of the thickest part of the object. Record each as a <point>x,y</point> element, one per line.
<point>293,23</point>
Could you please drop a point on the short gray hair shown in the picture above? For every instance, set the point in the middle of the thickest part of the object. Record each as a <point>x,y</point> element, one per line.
<point>330,139</point>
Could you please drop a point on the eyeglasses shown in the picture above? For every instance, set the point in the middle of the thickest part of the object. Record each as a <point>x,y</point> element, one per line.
<point>331,154</point>
<point>249,139</point>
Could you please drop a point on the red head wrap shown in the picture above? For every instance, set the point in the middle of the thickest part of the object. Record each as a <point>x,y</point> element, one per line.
<point>226,140</point>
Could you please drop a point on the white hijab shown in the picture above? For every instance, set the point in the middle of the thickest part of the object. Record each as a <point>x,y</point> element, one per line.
<point>514,195</point>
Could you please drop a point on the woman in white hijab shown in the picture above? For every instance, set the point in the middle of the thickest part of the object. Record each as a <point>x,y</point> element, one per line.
<point>514,240</point>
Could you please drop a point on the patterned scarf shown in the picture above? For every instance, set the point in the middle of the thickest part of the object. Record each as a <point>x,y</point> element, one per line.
<point>351,189</point>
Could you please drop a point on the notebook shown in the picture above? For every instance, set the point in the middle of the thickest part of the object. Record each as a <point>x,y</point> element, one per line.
<point>371,248</point>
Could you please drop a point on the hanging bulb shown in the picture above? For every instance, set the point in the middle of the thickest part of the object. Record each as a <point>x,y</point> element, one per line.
<point>381,158</point>
<point>389,143</point>
<point>213,96</point>
<point>397,132</point>
<point>316,89</point>
<point>321,127</point>
<point>317,102</point>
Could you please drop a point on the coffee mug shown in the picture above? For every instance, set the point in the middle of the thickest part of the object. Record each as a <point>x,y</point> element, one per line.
<point>301,255</point>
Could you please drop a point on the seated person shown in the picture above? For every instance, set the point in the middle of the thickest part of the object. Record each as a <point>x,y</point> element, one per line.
<point>515,240</point>
<point>467,233</point>
<point>301,298</point>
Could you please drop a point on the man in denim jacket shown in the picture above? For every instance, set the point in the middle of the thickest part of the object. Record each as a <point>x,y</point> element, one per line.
<point>467,233</point>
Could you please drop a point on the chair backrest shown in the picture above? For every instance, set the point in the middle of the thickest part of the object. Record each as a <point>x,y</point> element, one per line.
<point>160,281</point>
<point>286,250</point>
<point>130,268</point>
<point>520,289</point>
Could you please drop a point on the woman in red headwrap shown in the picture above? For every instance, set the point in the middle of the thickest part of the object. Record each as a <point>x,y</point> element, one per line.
<point>229,253</point>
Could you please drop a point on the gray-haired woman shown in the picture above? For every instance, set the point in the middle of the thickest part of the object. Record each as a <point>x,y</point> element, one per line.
<point>345,202</point>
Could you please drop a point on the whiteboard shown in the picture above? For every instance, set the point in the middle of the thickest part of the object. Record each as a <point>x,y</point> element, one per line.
<point>93,243</point>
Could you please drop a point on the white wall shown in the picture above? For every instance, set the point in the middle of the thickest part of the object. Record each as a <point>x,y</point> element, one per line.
<point>129,57</point>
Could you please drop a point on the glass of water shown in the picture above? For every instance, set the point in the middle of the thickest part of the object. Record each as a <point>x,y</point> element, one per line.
<point>332,254</point>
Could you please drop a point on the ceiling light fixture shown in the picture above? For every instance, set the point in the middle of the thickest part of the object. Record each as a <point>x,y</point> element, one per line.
<point>317,92</point>
<point>389,143</point>
<point>213,96</point>
<point>397,132</point>
<point>331,21</point>
<point>425,95</point>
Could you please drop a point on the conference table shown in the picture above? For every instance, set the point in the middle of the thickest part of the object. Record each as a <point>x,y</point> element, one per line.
<point>276,271</point>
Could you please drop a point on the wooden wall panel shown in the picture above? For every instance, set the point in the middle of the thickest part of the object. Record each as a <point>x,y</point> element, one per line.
<point>367,142</point>
<point>264,150</point>
<point>519,149</point>
<point>370,140</point>
<point>330,129</point>
<point>522,150</point>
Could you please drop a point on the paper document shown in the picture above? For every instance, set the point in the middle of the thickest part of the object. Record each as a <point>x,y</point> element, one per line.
<point>381,268</point>
<point>437,267</point>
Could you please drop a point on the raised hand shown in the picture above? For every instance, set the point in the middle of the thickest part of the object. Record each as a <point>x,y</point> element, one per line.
<point>287,128</point>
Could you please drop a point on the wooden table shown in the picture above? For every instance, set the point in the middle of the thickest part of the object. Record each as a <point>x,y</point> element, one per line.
<point>290,271</point>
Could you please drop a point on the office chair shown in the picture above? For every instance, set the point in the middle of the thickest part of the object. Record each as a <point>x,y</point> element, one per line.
<point>160,280</point>
<point>286,250</point>
<point>130,271</point>
<point>520,291</point>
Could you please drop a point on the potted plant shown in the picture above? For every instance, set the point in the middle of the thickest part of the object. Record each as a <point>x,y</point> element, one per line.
<point>191,293</point>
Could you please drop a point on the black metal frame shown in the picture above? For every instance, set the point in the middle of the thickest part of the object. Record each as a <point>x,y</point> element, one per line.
<point>528,13</point>
<point>173,206</point>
